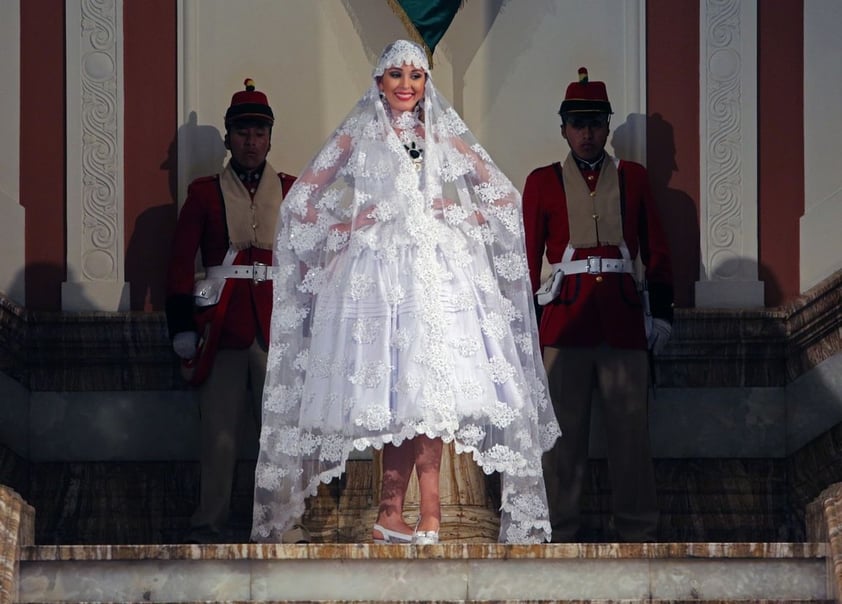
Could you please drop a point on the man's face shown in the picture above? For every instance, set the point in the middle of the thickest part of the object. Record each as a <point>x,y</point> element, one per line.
<point>249,143</point>
<point>586,134</point>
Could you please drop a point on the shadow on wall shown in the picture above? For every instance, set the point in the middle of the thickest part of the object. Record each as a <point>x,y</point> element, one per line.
<point>678,210</point>
<point>731,281</point>
<point>148,251</point>
<point>774,291</point>
<point>204,150</point>
<point>43,285</point>
<point>376,25</point>
<point>466,34</point>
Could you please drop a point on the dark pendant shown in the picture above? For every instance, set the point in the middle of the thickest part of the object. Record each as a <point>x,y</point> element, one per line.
<point>413,151</point>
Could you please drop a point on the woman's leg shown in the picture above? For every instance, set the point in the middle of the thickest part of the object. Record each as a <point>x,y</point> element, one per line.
<point>428,453</point>
<point>397,469</point>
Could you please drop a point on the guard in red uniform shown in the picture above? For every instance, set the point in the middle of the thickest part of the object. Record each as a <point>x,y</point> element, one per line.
<point>592,215</point>
<point>219,324</point>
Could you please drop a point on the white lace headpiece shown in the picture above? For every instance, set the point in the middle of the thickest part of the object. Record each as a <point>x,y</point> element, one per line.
<point>403,216</point>
<point>401,52</point>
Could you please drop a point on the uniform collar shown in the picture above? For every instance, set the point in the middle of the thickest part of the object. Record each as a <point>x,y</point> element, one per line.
<point>245,176</point>
<point>594,166</point>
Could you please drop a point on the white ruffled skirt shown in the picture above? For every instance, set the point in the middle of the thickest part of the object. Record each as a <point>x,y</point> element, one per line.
<point>402,342</point>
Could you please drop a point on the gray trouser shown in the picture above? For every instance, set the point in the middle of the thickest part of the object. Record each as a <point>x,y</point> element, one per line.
<point>622,379</point>
<point>233,389</point>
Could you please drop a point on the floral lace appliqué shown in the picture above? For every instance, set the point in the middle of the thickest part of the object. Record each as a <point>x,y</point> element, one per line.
<point>328,156</point>
<point>365,331</point>
<point>494,326</point>
<point>302,360</point>
<point>470,434</point>
<point>511,266</point>
<point>500,414</point>
<point>290,317</point>
<point>501,370</point>
<point>361,286</point>
<point>450,124</point>
<point>400,52</point>
<point>313,281</point>
<point>471,389</point>
<point>401,339</point>
<point>374,418</point>
<point>369,374</point>
<point>466,346</point>
<point>395,295</point>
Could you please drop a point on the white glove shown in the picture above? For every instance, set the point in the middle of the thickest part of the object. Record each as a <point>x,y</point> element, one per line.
<point>184,344</point>
<point>660,335</point>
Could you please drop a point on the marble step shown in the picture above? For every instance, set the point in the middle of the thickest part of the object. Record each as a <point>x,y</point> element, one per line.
<point>554,601</point>
<point>448,572</point>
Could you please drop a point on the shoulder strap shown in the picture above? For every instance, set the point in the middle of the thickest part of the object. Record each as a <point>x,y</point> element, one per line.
<point>557,168</point>
<point>222,207</point>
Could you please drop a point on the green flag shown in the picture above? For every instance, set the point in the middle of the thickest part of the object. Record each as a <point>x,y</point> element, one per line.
<point>426,20</point>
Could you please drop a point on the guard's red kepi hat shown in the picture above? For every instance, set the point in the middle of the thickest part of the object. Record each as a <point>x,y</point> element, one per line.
<point>249,103</point>
<point>585,96</point>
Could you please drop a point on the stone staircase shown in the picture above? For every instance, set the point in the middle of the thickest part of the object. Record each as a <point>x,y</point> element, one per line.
<point>663,572</point>
<point>747,426</point>
<point>448,572</point>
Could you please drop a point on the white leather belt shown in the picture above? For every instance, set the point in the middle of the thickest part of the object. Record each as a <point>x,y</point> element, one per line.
<point>257,272</point>
<point>594,265</point>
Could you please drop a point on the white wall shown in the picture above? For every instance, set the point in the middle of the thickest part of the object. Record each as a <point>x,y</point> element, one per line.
<point>821,251</point>
<point>504,66</point>
<point>517,75</point>
<point>12,224</point>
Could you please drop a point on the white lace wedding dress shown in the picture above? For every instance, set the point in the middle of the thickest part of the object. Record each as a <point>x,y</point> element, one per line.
<point>402,307</point>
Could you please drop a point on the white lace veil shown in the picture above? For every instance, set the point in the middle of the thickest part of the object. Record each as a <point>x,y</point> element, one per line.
<point>363,202</point>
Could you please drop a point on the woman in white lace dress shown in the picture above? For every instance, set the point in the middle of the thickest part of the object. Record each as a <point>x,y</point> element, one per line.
<point>403,317</point>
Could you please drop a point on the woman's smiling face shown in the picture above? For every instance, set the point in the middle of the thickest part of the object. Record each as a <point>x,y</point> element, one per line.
<point>403,87</point>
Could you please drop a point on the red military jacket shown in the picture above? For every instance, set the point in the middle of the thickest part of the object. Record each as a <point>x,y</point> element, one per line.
<point>202,226</point>
<point>606,308</point>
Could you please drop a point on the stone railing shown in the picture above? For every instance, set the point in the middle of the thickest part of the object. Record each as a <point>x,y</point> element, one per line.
<point>92,351</point>
<point>17,529</point>
<point>824,524</point>
<point>130,352</point>
<point>703,572</point>
<point>85,352</point>
<point>768,347</point>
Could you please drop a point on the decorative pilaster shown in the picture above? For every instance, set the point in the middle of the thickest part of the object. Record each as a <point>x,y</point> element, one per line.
<point>95,233</point>
<point>728,127</point>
